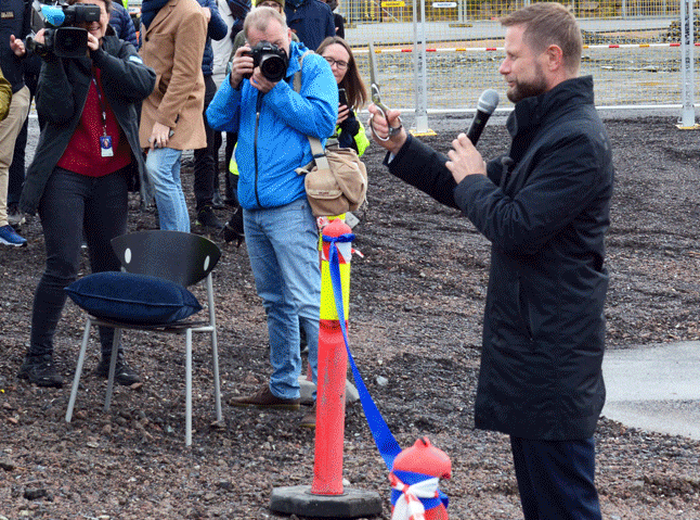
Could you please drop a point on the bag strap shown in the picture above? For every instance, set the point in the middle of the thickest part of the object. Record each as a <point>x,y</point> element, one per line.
<point>319,154</point>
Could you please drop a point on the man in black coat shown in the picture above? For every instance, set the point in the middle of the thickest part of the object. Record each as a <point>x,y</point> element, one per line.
<point>545,208</point>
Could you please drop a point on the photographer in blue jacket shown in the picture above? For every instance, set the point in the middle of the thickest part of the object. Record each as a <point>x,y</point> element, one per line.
<point>272,120</point>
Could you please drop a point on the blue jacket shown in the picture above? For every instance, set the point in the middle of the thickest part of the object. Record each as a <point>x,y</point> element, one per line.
<point>312,22</point>
<point>15,20</point>
<point>121,22</point>
<point>216,30</point>
<point>271,146</point>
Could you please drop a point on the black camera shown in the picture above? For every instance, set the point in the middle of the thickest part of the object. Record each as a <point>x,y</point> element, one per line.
<point>64,42</point>
<point>272,60</point>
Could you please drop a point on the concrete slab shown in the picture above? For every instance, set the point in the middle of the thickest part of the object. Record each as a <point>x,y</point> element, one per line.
<point>655,388</point>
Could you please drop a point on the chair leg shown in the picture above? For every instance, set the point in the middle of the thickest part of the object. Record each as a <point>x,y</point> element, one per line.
<point>78,370</point>
<point>112,368</point>
<point>188,388</point>
<point>217,383</point>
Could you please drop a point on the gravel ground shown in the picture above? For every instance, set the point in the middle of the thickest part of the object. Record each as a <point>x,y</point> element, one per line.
<point>416,309</point>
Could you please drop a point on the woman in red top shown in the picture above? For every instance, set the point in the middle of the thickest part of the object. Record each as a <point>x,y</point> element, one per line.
<point>87,158</point>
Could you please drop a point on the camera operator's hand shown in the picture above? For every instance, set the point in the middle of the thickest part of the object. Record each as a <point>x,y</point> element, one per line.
<point>93,43</point>
<point>241,66</point>
<point>260,82</point>
<point>464,159</point>
<point>160,135</point>
<point>381,127</point>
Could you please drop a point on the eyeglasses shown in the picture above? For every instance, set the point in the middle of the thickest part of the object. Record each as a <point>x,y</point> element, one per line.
<point>342,65</point>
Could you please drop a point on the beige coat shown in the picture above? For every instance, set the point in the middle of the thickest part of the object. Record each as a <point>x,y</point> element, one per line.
<point>173,46</point>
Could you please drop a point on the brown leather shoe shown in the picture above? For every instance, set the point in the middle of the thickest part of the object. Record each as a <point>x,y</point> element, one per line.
<point>309,419</point>
<point>264,398</point>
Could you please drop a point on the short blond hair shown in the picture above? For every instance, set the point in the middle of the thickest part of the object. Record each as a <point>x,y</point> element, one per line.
<point>549,23</point>
<point>260,18</point>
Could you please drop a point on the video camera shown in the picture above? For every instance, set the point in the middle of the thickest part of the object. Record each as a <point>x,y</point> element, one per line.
<point>271,59</point>
<point>60,36</point>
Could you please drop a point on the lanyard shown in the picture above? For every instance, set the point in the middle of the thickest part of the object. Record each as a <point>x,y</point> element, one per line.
<point>102,106</point>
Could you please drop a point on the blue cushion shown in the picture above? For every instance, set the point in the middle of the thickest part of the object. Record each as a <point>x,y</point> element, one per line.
<point>133,298</point>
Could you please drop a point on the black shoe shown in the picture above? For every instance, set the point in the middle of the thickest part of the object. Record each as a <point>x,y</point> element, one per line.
<point>41,371</point>
<point>216,201</point>
<point>233,230</point>
<point>123,374</point>
<point>207,218</point>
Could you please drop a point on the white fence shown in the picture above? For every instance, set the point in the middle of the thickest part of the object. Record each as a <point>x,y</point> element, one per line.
<point>644,58</point>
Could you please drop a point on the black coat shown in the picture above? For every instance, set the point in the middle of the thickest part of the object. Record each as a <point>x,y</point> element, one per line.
<point>545,208</point>
<point>60,99</point>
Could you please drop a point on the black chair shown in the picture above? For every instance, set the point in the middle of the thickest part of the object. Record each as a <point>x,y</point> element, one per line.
<point>171,256</point>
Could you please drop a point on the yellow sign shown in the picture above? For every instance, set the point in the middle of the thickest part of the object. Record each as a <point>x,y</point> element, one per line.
<point>394,3</point>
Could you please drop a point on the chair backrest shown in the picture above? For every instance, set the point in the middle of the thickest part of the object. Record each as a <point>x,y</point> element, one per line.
<point>183,258</point>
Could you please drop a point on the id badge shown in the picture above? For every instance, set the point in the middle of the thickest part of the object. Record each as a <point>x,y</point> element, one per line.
<point>106,146</point>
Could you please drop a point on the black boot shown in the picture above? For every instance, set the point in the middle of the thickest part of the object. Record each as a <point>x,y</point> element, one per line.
<point>123,374</point>
<point>233,229</point>
<point>207,218</point>
<point>41,371</point>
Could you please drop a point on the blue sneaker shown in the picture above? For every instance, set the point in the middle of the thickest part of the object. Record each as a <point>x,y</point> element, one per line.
<point>9,237</point>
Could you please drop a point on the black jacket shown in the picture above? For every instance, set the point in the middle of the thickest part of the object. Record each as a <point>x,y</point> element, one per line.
<point>61,95</point>
<point>16,15</point>
<point>545,208</point>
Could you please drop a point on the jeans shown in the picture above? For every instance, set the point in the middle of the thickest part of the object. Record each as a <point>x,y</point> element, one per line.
<point>204,158</point>
<point>163,165</point>
<point>282,246</point>
<point>73,204</point>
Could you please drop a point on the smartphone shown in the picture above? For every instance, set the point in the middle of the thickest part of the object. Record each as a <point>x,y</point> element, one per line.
<point>342,97</point>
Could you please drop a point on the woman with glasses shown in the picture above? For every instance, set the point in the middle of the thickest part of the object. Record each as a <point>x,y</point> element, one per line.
<point>349,131</point>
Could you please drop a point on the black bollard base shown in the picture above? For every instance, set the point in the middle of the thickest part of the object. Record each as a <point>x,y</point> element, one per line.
<point>298,500</point>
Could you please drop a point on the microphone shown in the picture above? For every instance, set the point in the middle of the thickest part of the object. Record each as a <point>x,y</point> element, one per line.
<point>488,101</point>
<point>54,15</point>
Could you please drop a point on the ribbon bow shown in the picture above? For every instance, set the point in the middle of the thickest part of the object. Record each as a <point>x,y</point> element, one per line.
<point>408,506</point>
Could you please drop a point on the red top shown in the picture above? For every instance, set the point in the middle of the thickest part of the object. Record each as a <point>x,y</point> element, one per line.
<point>83,154</point>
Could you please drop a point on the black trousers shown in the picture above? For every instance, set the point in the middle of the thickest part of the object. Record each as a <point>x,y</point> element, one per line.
<point>556,479</point>
<point>204,158</point>
<point>73,204</point>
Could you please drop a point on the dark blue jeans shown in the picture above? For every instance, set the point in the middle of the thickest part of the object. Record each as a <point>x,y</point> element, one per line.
<point>556,479</point>
<point>71,204</point>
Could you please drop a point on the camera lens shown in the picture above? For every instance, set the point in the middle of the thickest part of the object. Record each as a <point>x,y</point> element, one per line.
<point>273,67</point>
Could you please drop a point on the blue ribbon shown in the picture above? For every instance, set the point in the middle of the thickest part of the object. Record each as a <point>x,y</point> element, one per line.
<point>383,438</point>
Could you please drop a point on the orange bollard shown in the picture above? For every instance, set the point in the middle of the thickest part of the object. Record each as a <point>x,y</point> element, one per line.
<point>332,370</point>
<point>414,480</point>
<point>326,497</point>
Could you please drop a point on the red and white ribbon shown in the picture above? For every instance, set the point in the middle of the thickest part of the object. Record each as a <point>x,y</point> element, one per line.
<point>409,506</point>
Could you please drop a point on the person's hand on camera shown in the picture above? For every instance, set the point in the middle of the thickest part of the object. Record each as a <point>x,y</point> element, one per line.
<point>241,65</point>
<point>92,42</point>
<point>381,127</point>
<point>464,159</point>
<point>160,135</point>
<point>260,82</point>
